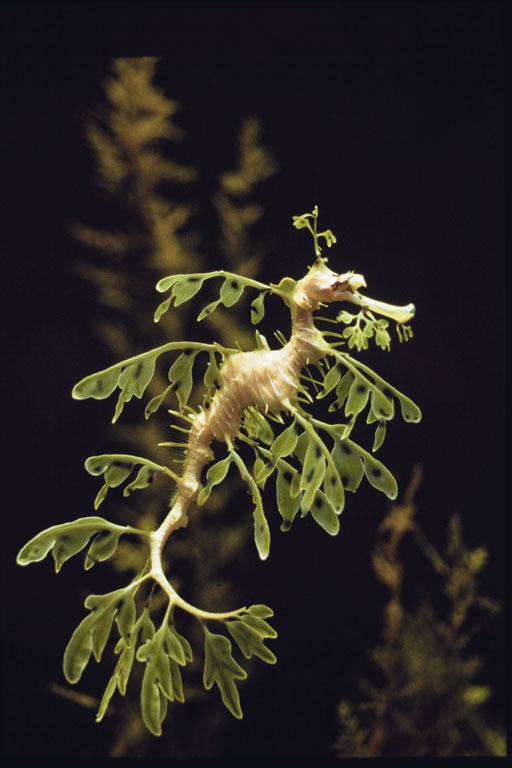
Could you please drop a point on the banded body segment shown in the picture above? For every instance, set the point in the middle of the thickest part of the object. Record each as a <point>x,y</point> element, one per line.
<point>265,379</point>
<point>198,455</point>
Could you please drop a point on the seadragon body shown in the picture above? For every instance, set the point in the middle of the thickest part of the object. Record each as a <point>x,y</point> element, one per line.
<point>311,476</point>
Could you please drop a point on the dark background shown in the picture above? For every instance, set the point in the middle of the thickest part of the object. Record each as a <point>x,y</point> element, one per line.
<point>389,116</point>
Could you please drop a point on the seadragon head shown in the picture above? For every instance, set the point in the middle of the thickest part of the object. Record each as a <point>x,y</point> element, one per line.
<point>323,286</point>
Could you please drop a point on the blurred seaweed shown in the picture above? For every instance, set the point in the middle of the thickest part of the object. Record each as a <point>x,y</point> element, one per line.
<point>426,698</point>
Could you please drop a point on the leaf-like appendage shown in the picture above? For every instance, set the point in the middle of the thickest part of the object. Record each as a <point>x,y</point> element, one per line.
<point>261,529</point>
<point>212,377</point>
<point>125,618</point>
<point>163,654</point>
<point>250,640</point>
<point>221,668</point>
<point>313,472</point>
<point>357,398</point>
<point>380,434</point>
<point>98,385</point>
<point>284,289</point>
<point>155,402</point>
<point>132,376</point>
<point>68,539</point>
<point>133,381</point>
<point>383,392</point>
<point>162,309</point>
<point>257,426</point>
<point>92,633</point>
<point>208,310</point>
<point>117,467</point>
<point>410,411</point>
<point>348,464</point>
<point>331,380</point>
<point>185,289</point>
<point>180,376</point>
<point>126,648</point>
<point>376,473</point>
<point>261,611</point>
<point>342,390</point>
<point>232,289</point>
<point>186,286</point>
<point>333,488</point>
<point>215,475</point>
<point>258,308</point>
<point>287,504</point>
<point>103,546</point>
<point>285,443</point>
<point>324,515</point>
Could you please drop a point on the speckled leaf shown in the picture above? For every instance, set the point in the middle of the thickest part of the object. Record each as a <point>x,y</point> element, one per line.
<point>410,411</point>
<point>258,308</point>
<point>66,540</point>
<point>348,464</point>
<point>98,385</point>
<point>313,473</point>
<point>180,376</point>
<point>144,478</point>
<point>382,404</point>
<point>333,488</point>
<point>324,514</point>
<point>208,310</point>
<point>185,289</point>
<point>103,546</point>
<point>377,474</point>
<point>133,381</point>
<point>212,376</point>
<point>287,504</point>
<point>215,475</point>
<point>116,468</point>
<point>232,289</point>
<point>261,529</point>
<point>357,397</point>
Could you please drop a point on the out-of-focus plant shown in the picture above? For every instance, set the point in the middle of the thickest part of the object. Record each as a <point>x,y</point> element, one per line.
<point>426,700</point>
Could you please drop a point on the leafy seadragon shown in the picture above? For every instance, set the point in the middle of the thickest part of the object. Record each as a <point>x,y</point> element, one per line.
<point>242,391</point>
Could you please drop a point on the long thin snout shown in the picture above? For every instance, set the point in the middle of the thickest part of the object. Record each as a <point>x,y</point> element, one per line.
<point>399,314</point>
